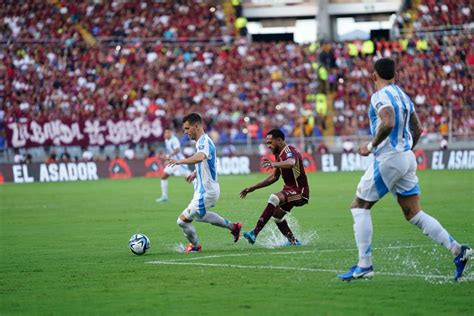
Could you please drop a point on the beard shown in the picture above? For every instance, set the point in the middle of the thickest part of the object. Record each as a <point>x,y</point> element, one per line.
<point>276,150</point>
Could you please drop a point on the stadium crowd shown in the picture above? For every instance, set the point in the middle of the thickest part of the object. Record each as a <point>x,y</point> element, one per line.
<point>242,87</point>
<point>433,13</point>
<point>436,74</point>
<point>65,20</point>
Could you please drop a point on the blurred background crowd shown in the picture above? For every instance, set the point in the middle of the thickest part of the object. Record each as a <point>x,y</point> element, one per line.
<point>117,59</point>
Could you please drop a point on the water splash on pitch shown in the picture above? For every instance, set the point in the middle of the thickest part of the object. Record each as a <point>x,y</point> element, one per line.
<point>433,263</point>
<point>178,247</point>
<point>271,237</point>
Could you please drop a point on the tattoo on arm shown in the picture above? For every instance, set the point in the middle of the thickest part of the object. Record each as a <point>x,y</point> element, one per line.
<point>415,128</point>
<point>388,122</point>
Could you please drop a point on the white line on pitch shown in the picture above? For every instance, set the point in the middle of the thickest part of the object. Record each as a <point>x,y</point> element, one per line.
<point>238,266</point>
<point>282,253</point>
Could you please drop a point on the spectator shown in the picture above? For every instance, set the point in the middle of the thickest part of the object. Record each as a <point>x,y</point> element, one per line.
<point>52,158</point>
<point>87,155</point>
<point>129,154</point>
<point>18,158</point>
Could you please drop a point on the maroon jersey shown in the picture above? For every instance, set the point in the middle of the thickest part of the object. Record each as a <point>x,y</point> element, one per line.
<point>294,178</point>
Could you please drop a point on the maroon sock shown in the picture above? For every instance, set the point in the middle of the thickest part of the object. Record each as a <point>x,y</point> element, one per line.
<point>267,213</point>
<point>286,231</point>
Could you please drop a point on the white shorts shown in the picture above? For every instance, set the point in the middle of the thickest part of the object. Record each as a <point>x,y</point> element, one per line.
<point>200,203</point>
<point>177,170</point>
<point>397,174</point>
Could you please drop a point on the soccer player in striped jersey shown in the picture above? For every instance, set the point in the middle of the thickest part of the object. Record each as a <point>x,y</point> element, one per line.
<point>295,192</point>
<point>395,129</point>
<point>206,187</point>
<point>173,151</point>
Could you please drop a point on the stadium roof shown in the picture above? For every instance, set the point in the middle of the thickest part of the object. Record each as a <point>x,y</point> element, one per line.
<point>309,8</point>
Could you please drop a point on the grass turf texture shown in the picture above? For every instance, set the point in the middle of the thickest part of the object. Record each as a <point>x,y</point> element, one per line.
<point>64,251</point>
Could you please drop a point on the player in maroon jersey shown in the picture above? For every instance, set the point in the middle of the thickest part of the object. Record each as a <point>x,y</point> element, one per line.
<point>289,165</point>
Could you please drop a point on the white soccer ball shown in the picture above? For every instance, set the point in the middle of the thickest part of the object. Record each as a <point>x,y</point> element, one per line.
<point>138,244</point>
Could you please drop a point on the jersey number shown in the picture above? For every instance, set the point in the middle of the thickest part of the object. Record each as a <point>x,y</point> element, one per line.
<point>405,117</point>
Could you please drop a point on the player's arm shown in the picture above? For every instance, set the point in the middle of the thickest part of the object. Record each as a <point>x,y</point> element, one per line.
<point>197,157</point>
<point>415,128</point>
<point>387,118</point>
<point>287,164</point>
<point>191,176</point>
<point>265,183</point>
<point>174,152</point>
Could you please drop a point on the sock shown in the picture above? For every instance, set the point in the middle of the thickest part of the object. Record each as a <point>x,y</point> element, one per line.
<point>262,221</point>
<point>432,228</point>
<point>363,235</point>
<point>164,188</point>
<point>217,220</point>
<point>189,231</point>
<point>286,231</point>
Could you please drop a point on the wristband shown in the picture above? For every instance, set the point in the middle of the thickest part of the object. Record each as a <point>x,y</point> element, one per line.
<point>370,147</point>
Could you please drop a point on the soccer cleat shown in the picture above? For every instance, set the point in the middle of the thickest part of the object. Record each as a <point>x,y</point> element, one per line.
<point>236,231</point>
<point>192,248</point>
<point>250,236</point>
<point>162,200</point>
<point>294,242</point>
<point>461,261</point>
<point>356,272</point>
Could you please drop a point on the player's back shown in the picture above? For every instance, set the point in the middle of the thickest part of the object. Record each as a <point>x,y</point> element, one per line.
<point>400,139</point>
<point>296,176</point>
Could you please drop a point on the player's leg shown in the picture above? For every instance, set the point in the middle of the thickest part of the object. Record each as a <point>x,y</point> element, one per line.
<point>360,210</point>
<point>293,199</point>
<point>363,230</point>
<point>207,201</point>
<point>431,227</point>
<point>273,202</point>
<point>164,185</point>
<point>407,191</point>
<point>369,190</point>
<point>185,222</point>
<point>282,224</point>
<point>192,212</point>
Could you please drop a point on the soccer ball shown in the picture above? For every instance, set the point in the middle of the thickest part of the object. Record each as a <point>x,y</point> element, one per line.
<point>138,244</point>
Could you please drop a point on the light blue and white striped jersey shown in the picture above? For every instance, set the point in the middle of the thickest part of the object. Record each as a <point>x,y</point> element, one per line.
<point>171,145</point>
<point>206,170</point>
<point>400,139</point>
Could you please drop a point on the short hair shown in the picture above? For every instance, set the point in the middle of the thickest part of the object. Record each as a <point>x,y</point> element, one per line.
<point>276,133</point>
<point>385,68</point>
<point>192,118</point>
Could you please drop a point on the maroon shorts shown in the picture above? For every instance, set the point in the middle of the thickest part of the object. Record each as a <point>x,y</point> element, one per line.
<point>294,197</point>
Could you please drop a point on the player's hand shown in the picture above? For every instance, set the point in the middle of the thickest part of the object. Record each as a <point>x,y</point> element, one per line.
<point>191,177</point>
<point>244,192</point>
<point>267,163</point>
<point>363,150</point>
<point>171,162</point>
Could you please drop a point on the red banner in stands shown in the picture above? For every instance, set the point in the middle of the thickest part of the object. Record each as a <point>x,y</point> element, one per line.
<point>83,133</point>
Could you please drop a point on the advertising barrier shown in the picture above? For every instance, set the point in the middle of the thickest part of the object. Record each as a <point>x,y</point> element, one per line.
<point>119,168</point>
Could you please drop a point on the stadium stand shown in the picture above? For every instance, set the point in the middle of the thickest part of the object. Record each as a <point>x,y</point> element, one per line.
<point>127,59</point>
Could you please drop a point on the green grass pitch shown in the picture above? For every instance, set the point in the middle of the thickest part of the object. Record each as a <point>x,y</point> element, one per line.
<point>64,252</point>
